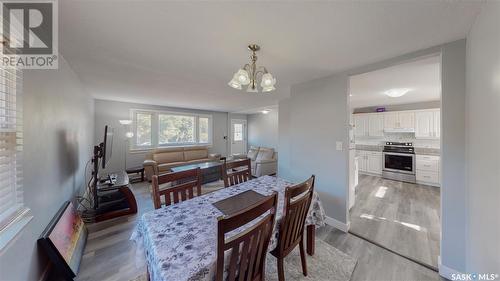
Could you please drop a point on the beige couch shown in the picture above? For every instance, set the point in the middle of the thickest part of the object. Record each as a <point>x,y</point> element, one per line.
<point>163,159</point>
<point>264,160</point>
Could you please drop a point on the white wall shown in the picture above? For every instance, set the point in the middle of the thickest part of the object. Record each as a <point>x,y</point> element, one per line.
<point>58,119</point>
<point>314,118</point>
<point>110,112</point>
<point>483,138</point>
<point>263,129</point>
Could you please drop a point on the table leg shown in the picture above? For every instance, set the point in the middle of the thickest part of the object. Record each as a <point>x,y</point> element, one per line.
<point>311,232</point>
<point>142,175</point>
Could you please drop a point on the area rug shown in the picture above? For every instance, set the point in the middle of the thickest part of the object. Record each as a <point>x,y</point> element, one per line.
<point>328,263</point>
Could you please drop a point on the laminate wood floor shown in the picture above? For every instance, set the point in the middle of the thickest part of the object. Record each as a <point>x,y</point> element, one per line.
<point>110,255</point>
<point>403,217</point>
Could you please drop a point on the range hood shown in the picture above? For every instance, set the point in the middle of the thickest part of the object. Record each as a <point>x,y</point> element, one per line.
<point>400,130</point>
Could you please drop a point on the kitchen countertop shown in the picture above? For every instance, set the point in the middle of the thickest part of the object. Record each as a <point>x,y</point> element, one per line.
<point>418,150</point>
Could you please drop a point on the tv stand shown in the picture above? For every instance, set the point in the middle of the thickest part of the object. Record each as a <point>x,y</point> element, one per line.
<point>115,199</point>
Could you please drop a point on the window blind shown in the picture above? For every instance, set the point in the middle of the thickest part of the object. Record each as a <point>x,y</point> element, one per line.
<point>11,142</point>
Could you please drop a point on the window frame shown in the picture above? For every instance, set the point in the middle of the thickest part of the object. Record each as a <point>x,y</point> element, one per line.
<point>155,129</point>
<point>16,217</point>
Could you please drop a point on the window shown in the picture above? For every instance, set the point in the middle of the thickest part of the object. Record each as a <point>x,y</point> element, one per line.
<point>203,129</point>
<point>159,128</point>
<point>143,132</point>
<point>175,129</point>
<point>12,211</point>
<point>238,132</point>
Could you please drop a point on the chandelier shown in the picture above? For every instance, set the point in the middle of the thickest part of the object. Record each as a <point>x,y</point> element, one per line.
<point>247,75</point>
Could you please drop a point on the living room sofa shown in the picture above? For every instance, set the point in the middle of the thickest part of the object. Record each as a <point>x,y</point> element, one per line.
<point>161,160</point>
<point>264,161</point>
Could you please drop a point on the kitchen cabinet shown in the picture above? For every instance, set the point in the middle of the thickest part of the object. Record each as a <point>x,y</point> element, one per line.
<point>360,125</point>
<point>362,159</point>
<point>427,124</point>
<point>369,162</point>
<point>406,119</point>
<point>374,163</point>
<point>391,120</point>
<point>437,123</point>
<point>398,120</point>
<point>376,125</point>
<point>369,125</point>
<point>427,170</point>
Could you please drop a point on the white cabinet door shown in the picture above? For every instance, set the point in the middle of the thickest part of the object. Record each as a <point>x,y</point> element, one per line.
<point>362,165</point>
<point>390,120</point>
<point>427,124</point>
<point>374,163</point>
<point>437,124</point>
<point>360,125</point>
<point>406,120</point>
<point>376,125</point>
<point>424,124</point>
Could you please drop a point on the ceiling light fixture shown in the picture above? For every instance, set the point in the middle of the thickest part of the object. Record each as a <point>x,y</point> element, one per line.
<point>396,93</point>
<point>247,75</point>
<point>265,111</point>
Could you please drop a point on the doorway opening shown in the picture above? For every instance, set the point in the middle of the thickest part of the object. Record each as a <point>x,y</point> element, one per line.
<point>394,158</point>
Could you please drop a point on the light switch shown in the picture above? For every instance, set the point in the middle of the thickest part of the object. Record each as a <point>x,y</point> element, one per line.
<point>339,145</point>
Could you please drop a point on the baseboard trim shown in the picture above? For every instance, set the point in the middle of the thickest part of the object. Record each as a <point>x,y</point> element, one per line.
<point>447,272</point>
<point>337,224</point>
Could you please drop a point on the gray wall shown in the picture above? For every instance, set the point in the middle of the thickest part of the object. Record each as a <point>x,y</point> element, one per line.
<point>314,118</point>
<point>453,195</point>
<point>109,112</point>
<point>263,129</point>
<point>58,136</point>
<point>318,110</point>
<point>483,133</point>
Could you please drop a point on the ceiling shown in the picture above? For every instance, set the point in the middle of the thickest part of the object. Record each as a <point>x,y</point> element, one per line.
<point>183,54</point>
<point>422,77</point>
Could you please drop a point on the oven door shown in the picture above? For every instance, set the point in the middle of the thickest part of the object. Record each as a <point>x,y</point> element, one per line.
<point>399,162</point>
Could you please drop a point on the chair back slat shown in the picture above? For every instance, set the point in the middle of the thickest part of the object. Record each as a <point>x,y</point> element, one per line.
<point>236,172</point>
<point>183,185</point>
<point>246,259</point>
<point>297,202</point>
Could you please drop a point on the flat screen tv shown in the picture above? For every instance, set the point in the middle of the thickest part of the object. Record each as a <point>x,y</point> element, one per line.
<point>107,149</point>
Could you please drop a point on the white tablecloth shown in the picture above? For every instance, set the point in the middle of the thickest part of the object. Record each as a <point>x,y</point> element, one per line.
<point>180,241</point>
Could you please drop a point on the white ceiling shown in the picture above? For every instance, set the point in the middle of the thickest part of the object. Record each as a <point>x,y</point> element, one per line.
<point>183,53</point>
<point>421,76</point>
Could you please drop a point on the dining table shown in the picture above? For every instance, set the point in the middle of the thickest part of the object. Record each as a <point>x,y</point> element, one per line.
<point>180,241</point>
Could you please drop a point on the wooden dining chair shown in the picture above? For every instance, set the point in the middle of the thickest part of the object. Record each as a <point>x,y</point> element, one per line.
<point>183,185</point>
<point>239,171</point>
<point>247,257</point>
<point>291,229</point>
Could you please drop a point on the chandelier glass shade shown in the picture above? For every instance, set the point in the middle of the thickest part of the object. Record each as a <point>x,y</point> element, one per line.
<point>249,74</point>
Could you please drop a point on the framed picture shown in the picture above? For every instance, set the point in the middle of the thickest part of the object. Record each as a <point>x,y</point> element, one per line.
<point>64,240</point>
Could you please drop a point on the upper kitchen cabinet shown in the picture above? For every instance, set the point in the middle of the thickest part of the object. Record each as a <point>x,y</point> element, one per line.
<point>401,121</point>
<point>376,125</point>
<point>368,125</point>
<point>427,124</point>
<point>360,125</point>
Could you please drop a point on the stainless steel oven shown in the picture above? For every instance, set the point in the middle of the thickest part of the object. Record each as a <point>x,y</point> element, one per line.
<point>399,161</point>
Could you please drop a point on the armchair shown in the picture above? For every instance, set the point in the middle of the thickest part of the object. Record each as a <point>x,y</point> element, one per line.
<point>264,161</point>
